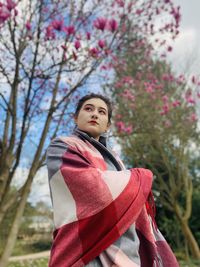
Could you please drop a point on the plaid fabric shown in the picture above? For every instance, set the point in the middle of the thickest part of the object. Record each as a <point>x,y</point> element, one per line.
<point>94,206</point>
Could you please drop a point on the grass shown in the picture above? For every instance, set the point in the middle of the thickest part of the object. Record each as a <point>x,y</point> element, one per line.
<point>43,262</point>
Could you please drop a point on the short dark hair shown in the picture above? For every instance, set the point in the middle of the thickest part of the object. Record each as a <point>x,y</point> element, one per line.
<point>90,96</point>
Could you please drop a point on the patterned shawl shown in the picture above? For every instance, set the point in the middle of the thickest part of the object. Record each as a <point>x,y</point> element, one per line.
<point>94,206</point>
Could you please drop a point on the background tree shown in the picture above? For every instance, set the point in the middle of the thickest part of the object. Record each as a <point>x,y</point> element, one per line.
<point>50,51</point>
<point>156,114</point>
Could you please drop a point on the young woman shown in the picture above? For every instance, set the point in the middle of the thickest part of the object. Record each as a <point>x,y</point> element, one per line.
<point>103,213</point>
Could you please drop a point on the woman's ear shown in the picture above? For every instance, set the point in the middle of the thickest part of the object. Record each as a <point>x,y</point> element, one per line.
<point>108,126</point>
<point>75,118</point>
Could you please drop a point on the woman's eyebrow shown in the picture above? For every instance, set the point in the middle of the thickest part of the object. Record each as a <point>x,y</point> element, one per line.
<point>94,106</point>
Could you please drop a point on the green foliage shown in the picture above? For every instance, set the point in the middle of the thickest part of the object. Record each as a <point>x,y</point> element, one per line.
<point>194,221</point>
<point>156,126</point>
<point>43,262</point>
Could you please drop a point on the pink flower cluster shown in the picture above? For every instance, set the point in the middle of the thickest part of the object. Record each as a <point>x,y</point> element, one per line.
<point>123,129</point>
<point>189,98</point>
<point>5,10</point>
<point>176,103</point>
<point>128,95</point>
<point>103,23</point>
<point>58,25</point>
<point>193,117</point>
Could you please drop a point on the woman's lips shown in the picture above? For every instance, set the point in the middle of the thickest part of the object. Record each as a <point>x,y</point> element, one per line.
<point>93,122</point>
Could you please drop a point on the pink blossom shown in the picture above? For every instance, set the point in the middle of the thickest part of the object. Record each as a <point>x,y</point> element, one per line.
<point>4,13</point>
<point>101,44</point>
<point>193,79</point>
<point>28,25</point>
<point>190,100</point>
<point>169,48</point>
<point>128,80</point>
<point>70,30</point>
<point>57,25</point>
<point>112,25</point>
<point>165,109</point>
<point>120,3</point>
<point>49,33</point>
<point>120,126</point>
<point>180,79</point>
<point>149,89</point>
<point>176,13</point>
<point>10,4</point>
<point>100,23</point>
<point>176,103</point>
<point>94,52</point>
<point>128,94</point>
<point>193,117</point>
<point>77,44</point>
<point>129,129</point>
<point>88,35</point>
<point>198,94</point>
<point>139,11</point>
<point>165,98</point>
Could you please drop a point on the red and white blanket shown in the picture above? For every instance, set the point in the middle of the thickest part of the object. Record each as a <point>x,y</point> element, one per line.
<point>94,206</point>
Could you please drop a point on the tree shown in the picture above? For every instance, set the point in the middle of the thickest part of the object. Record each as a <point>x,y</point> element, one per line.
<point>157,127</point>
<point>49,51</point>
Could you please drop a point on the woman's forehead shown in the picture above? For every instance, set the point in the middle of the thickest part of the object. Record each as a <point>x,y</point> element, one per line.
<point>97,102</point>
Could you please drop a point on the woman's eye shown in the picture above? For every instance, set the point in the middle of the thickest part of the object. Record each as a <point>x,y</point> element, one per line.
<point>102,112</point>
<point>88,109</point>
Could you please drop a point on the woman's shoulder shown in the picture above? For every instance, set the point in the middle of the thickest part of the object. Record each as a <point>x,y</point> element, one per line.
<point>69,140</point>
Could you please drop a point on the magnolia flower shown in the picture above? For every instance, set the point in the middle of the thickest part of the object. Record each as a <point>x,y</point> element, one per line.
<point>169,48</point>
<point>129,129</point>
<point>28,25</point>
<point>190,100</point>
<point>120,126</point>
<point>165,109</point>
<point>120,3</point>
<point>112,25</point>
<point>70,30</point>
<point>10,4</point>
<point>100,23</point>
<point>176,103</point>
<point>165,98</point>
<point>49,33</point>
<point>57,25</point>
<point>101,44</point>
<point>193,117</point>
<point>4,13</point>
<point>88,35</point>
<point>94,52</point>
<point>77,44</point>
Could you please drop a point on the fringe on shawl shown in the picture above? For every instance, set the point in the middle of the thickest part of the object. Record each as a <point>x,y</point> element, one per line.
<point>151,208</point>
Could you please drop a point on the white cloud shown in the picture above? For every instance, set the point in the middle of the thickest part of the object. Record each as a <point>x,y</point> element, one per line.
<point>184,57</point>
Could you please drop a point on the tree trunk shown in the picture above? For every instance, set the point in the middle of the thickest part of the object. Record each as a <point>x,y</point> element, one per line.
<point>16,224</point>
<point>193,245</point>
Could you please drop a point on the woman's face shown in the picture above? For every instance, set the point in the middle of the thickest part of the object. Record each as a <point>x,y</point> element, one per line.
<point>93,117</point>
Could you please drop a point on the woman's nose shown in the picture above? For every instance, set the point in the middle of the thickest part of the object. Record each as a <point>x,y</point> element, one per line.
<point>94,115</point>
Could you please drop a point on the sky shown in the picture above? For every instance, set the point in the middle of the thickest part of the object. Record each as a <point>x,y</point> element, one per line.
<point>184,58</point>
